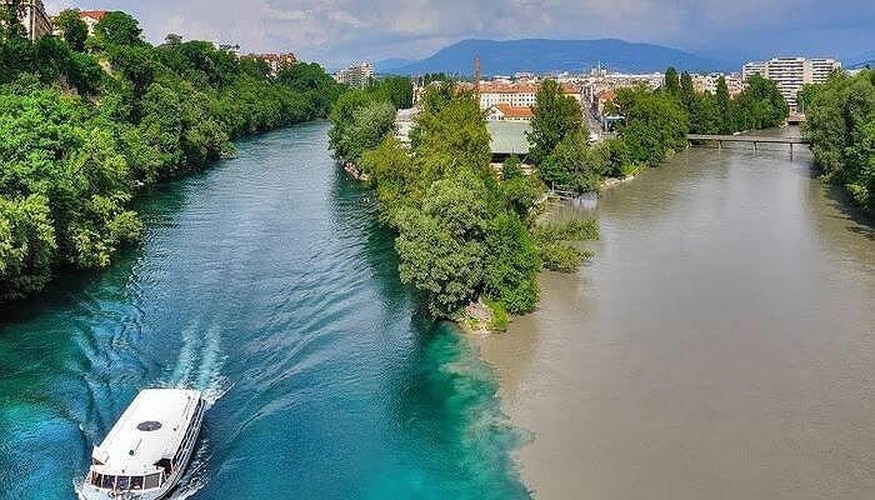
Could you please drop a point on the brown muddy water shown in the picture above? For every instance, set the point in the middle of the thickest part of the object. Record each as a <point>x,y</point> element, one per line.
<point>719,346</point>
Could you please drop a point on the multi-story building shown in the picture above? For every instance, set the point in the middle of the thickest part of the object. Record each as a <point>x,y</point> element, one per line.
<point>821,68</point>
<point>708,83</point>
<point>516,95</point>
<point>791,73</point>
<point>91,18</point>
<point>357,75</point>
<point>32,15</point>
<point>276,62</point>
<point>505,112</point>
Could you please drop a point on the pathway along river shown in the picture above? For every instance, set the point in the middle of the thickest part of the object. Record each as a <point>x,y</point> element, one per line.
<point>267,282</point>
<point>719,346</point>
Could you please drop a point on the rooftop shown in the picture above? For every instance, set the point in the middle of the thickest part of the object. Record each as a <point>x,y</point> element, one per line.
<point>150,429</point>
<point>509,137</point>
<point>515,111</point>
<point>97,15</point>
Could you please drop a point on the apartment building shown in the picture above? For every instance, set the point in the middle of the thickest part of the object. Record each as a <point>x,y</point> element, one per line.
<point>791,73</point>
<point>276,62</point>
<point>516,95</point>
<point>357,75</point>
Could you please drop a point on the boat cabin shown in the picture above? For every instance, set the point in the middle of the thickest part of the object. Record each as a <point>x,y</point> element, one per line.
<point>150,444</point>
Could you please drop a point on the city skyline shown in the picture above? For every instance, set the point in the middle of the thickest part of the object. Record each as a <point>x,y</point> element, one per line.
<point>340,32</point>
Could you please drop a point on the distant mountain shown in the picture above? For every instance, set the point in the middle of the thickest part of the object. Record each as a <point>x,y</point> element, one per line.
<point>391,65</point>
<point>542,56</point>
<point>863,60</point>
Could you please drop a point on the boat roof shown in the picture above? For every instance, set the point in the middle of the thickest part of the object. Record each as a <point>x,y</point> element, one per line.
<point>150,429</point>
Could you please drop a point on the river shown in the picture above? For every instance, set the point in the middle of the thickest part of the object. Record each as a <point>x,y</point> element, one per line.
<point>266,282</point>
<point>719,345</point>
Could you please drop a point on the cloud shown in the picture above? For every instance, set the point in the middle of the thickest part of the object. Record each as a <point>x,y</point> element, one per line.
<point>338,31</point>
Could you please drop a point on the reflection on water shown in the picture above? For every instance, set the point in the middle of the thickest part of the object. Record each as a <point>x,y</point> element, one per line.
<point>719,345</point>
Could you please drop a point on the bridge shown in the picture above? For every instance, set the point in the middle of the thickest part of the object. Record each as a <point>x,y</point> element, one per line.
<point>756,140</point>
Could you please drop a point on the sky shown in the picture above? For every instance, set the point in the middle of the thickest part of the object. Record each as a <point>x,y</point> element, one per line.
<point>338,32</point>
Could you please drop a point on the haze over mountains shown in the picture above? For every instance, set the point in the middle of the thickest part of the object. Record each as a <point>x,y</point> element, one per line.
<point>542,55</point>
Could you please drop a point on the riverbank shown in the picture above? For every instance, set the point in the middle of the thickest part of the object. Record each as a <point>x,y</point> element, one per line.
<point>269,283</point>
<point>719,341</point>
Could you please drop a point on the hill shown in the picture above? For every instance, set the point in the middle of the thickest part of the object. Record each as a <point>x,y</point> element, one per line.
<point>863,60</point>
<point>542,56</point>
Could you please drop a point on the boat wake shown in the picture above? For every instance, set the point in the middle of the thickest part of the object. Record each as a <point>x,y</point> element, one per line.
<point>199,365</point>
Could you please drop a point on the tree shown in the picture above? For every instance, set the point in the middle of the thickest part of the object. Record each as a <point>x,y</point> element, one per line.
<point>173,39</point>
<point>760,105</point>
<point>655,124</point>
<point>10,25</point>
<point>806,95</point>
<point>687,92</point>
<point>511,264</point>
<point>723,102</point>
<point>841,127</point>
<point>672,86</point>
<point>27,246</point>
<point>575,164</point>
<point>440,246</point>
<point>118,28</point>
<point>555,116</point>
<point>73,28</point>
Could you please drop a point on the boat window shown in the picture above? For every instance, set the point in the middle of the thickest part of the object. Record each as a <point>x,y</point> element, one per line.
<point>107,482</point>
<point>152,481</point>
<point>137,482</point>
<point>96,478</point>
<point>122,483</point>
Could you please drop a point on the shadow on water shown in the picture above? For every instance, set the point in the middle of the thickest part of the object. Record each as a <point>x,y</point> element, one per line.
<point>862,223</point>
<point>445,400</point>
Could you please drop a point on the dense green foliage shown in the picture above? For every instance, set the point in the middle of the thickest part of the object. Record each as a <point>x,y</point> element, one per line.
<point>841,127</point>
<point>76,141</point>
<point>656,124</point>
<point>464,231</point>
<point>73,29</point>
<point>555,117</point>
<point>560,143</point>
<point>362,118</point>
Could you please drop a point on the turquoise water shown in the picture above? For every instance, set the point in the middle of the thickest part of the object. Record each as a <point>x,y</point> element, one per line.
<point>266,282</point>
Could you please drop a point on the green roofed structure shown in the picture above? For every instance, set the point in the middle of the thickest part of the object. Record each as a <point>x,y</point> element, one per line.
<point>508,138</point>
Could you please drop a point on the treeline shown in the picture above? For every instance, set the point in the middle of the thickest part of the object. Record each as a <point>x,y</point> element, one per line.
<point>840,123</point>
<point>464,231</point>
<point>655,124</point>
<point>86,119</point>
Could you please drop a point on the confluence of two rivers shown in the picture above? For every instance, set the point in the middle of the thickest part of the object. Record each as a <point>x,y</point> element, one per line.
<point>720,343</point>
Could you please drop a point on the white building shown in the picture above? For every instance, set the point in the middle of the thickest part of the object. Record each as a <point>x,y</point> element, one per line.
<point>357,75</point>
<point>516,95</point>
<point>34,18</point>
<point>91,18</point>
<point>791,73</point>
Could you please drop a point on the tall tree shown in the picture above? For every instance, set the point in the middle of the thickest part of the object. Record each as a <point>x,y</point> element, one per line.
<point>671,81</point>
<point>10,25</point>
<point>118,28</point>
<point>723,102</point>
<point>73,28</point>
<point>688,93</point>
<point>556,115</point>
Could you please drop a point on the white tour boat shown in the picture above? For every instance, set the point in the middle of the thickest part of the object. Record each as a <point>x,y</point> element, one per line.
<point>146,451</point>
